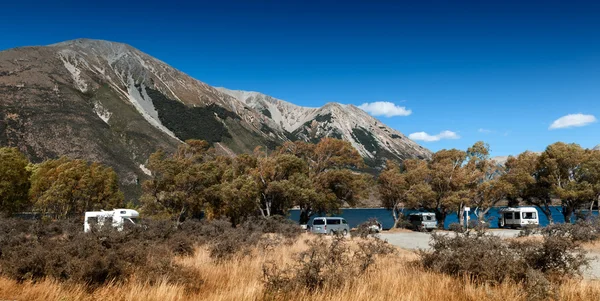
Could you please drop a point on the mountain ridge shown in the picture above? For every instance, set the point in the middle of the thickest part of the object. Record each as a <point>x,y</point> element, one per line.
<point>109,102</point>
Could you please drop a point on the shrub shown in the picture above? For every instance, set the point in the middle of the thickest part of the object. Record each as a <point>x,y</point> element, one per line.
<point>528,230</point>
<point>326,263</point>
<point>484,258</point>
<point>581,231</point>
<point>456,227</point>
<point>365,229</point>
<point>33,250</point>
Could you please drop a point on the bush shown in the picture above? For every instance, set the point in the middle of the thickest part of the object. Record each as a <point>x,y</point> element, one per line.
<point>34,250</point>
<point>326,263</point>
<point>456,227</point>
<point>365,229</point>
<point>528,230</point>
<point>581,231</point>
<point>485,258</point>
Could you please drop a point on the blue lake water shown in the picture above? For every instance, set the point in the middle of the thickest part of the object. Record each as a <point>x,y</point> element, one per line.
<point>356,216</point>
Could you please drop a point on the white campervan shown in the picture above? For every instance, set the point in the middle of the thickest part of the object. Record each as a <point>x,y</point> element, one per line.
<point>514,217</point>
<point>117,217</point>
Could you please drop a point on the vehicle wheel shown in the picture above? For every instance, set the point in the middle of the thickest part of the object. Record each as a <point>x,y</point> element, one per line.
<point>345,232</point>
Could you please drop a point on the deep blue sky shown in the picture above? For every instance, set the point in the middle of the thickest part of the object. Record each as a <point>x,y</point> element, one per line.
<point>505,67</point>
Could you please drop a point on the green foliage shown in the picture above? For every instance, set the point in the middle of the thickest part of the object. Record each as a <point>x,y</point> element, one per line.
<point>365,138</point>
<point>65,187</point>
<point>266,112</point>
<point>323,118</point>
<point>190,122</point>
<point>14,180</point>
<point>178,182</point>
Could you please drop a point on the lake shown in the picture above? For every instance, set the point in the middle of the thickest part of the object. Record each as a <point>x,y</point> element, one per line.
<point>356,216</point>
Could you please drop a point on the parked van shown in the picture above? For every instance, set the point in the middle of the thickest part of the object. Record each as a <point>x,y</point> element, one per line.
<point>518,217</point>
<point>116,218</point>
<point>422,221</point>
<point>329,225</point>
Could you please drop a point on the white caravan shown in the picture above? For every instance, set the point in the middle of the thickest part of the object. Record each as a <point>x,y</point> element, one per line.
<point>117,217</point>
<point>518,217</point>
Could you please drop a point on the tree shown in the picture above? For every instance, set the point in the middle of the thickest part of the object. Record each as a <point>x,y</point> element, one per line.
<point>330,171</point>
<point>524,176</point>
<point>448,180</point>
<point>14,180</point>
<point>490,188</point>
<point>560,168</point>
<point>406,188</point>
<point>178,182</point>
<point>591,174</point>
<point>65,187</point>
<point>235,199</point>
<point>281,180</point>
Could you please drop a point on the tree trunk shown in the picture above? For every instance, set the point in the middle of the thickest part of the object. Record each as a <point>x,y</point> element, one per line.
<point>567,212</point>
<point>483,213</point>
<point>305,214</point>
<point>589,213</point>
<point>181,217</point>
<point>395,216</point>
<point>461,216</point>
<point>440,215</point>
<point>547,212</point>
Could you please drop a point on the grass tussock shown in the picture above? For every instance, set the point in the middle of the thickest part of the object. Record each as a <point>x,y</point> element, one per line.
<point>242,277</point>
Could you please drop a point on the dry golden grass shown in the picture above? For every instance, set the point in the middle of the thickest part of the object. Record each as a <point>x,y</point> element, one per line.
<point>391,278</point>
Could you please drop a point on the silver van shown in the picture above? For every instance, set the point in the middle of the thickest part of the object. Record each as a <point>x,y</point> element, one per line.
<point>329,225</point>
<point>423,221</point>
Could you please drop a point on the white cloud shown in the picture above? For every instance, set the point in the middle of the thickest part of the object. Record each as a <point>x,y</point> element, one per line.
<point>485,131</point>
<point>422,136</point>
<point>384,108</point>
<point>572,120</point>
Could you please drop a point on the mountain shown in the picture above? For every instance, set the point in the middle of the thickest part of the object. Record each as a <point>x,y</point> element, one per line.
<point>109,102</point>
<point>374,140</point>
<point>500,160</point>
<point>597,147</point>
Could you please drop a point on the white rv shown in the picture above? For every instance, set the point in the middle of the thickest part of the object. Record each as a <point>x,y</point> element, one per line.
<point>518,217</point>
<point>117,217</point>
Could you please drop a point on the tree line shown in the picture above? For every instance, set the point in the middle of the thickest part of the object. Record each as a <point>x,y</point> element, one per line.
<point>454,179</point>
<point>57,188</point>
<point>192,181</point>
<point>316,178</point>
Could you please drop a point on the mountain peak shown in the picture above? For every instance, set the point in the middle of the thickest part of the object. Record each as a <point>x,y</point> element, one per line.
<point>109,102</point>
<point>85,42</point>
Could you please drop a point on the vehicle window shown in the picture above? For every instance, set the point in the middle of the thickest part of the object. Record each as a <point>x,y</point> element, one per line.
<point>93,220</point>
<point>344,221</point>
<point>319,222</point>
<point>123,212</point>
<point>333,221</point>
<point>508,215</point>
<point>429,217</point>
<point>529,215</point>
<point>517,215</point>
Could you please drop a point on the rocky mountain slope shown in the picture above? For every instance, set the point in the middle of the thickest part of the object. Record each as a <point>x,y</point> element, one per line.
<point>374,140</point>
<point>109,102</point>
<point>597,147</point>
